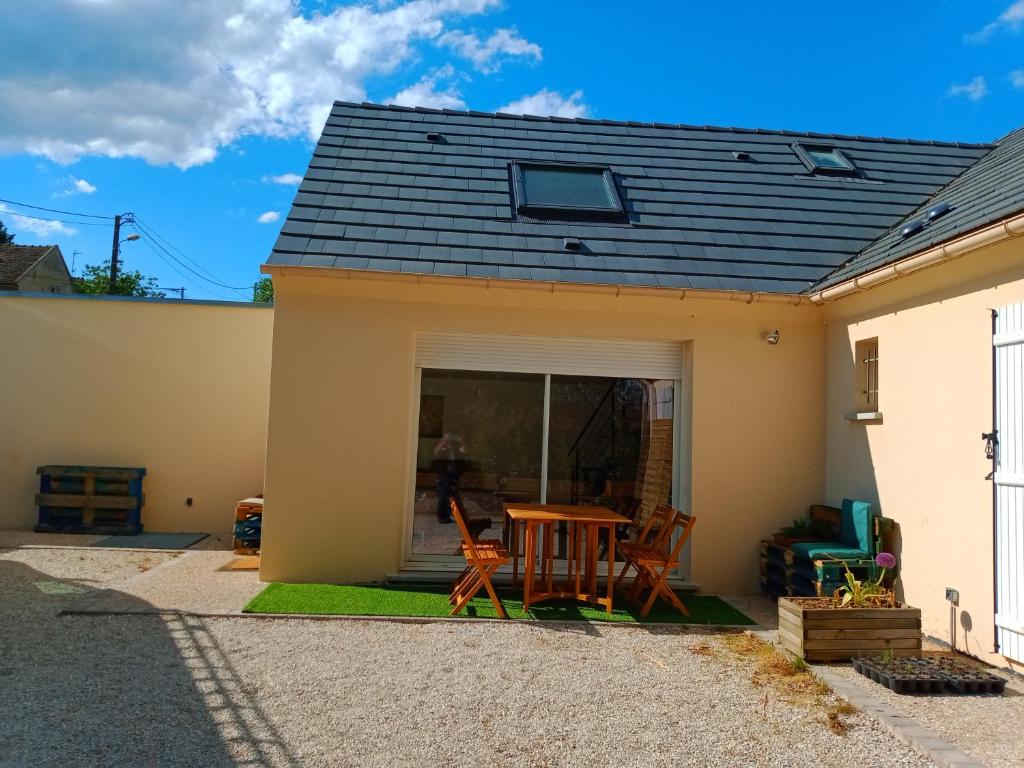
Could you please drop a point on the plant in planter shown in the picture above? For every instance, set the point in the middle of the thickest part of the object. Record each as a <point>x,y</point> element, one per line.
<point>860,593</point>
<point>862,618</point>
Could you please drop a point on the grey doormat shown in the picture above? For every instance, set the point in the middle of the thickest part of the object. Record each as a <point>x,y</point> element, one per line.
<point>153,541</point>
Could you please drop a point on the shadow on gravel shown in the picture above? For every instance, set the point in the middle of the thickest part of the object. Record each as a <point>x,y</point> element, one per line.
<point>118,690</point>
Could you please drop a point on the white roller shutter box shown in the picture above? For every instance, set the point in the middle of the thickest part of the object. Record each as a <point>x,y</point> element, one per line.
<point>548,354</point>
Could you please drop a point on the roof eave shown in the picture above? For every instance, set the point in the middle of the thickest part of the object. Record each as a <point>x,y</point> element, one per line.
<point>998,232</point>
<point>546,286</point>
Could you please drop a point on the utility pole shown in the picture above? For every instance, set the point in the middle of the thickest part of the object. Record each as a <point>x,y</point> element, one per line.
<point>112,283</point>
<point>179,291</point>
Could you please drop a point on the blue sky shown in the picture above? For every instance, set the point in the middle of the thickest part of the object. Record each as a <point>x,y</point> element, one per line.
<point>196,118</point>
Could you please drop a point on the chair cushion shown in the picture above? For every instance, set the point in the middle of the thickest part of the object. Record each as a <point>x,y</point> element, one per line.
<point>823,550</point>
<point>855,525</point>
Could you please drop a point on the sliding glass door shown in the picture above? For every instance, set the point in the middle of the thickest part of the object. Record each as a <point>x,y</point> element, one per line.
<point>489,438</point>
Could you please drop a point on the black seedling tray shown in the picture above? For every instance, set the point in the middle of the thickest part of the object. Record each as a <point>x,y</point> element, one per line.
<point>929,675</point>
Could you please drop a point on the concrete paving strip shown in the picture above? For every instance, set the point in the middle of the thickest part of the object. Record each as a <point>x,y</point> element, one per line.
<point>924,741</point>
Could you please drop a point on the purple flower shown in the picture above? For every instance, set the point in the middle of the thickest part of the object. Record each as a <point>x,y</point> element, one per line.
<point>885,560</point>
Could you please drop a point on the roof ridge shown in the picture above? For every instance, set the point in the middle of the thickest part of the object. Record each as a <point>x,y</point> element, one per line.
<point>675,126</point>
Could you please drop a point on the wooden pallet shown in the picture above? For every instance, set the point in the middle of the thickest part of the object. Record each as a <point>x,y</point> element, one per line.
<point>98,500</point>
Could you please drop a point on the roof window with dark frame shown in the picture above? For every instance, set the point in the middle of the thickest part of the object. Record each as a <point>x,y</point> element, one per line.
<point>567,191</point>
<point>825,160</point>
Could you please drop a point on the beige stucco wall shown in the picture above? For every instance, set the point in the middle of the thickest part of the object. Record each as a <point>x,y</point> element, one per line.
<point>179,388</point>
<point>924,465</point>
<point>342,402</point>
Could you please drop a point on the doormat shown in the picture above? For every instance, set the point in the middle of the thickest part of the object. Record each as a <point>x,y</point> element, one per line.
<point>244,563</point>
<point>152,541</point>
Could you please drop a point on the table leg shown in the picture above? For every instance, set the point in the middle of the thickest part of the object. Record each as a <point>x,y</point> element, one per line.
<point>611,565</point>
<point>592,559</point>
<point>528,565</point>
<point>515,552</point>
<point>549,556</point>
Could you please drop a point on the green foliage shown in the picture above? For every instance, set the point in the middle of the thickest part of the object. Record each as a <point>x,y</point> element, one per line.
<point>858,594</point>
<point>96,277</point>
<point>6,238</point>
<point>263,291</point>
<point>804,526</point>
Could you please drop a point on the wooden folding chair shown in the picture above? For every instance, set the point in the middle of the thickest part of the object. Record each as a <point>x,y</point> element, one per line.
<point>653,555</point>
<point>483,558</point>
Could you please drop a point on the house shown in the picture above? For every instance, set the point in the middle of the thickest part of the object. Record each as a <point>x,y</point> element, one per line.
<point>741,321</point>
<point>37,268</point>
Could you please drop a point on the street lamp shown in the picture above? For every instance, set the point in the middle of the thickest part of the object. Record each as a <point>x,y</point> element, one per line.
<point>115,251</point>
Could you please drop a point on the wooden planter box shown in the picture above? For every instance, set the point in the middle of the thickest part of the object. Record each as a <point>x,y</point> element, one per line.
<point>835,634</point>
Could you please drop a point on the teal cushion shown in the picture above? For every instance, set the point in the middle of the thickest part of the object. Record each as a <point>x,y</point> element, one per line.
<point>823,550</point>
<point>855,525</point>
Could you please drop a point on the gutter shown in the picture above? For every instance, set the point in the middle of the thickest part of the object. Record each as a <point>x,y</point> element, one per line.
<point>545,286</point>
<point>961,246</point>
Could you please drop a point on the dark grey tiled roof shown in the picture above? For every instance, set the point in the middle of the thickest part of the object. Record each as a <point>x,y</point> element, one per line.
<point>379,196</point>
<point>16,260</point>
<point>990,190</point>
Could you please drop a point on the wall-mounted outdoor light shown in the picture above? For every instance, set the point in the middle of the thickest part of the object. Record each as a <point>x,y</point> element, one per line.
<point>772,337</point>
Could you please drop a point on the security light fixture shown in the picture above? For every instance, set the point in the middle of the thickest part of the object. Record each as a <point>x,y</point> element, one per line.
<point>772,337</point>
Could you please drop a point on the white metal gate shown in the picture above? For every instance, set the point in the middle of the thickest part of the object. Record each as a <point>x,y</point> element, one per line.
<point>1008,340</point>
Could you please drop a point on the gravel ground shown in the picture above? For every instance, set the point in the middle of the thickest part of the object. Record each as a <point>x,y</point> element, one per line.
<point>186,691</point>
<point>989,728</point>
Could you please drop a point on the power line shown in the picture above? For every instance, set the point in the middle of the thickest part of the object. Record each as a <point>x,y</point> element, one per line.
<point>55,210</point>
<point>157,237</point>
<point>62,221</point>
<point>181,274</point>
<point>152,239</point>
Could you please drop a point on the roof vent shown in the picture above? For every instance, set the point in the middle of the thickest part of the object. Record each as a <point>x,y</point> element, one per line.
<point>937,212</point>
<point>911,228</point>
<point>572,244</point>
<point>742,156</point>
<point>437,138</point>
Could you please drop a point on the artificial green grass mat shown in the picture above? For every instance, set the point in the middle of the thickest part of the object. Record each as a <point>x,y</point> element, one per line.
<point>432,600</point>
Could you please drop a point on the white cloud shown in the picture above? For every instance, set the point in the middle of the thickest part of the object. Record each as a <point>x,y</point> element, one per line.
<point>488,55</point>
<point>288,179</point>
<point>79,187</point>
<point>1017,78</point>
<point>38,227</point>
<point>178,81</point>
<point>1012,20</point>
<point>975,90</point>
<point>425,93</point>
<point>548,103</point>
<point>269,217</point>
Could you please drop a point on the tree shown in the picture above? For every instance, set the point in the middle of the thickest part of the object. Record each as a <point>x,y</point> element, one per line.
<point>263,291</point>
<point>96,277</point>
<point>6,238</point>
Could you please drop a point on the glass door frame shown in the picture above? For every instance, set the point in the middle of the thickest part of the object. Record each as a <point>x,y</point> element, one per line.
<point>681,464</point>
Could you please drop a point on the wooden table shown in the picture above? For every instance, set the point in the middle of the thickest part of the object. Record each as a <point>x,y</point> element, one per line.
<point>585,525</point>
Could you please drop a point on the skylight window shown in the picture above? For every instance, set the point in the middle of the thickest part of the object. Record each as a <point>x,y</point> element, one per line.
<point>571,189</point>
<point>824,160</point>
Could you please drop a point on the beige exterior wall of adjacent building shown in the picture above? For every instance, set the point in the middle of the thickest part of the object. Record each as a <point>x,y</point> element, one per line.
<point>924,464</point>
<point>178,388</point>
<point>342,408</point>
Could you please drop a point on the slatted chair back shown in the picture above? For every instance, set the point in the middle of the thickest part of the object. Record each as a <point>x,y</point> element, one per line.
<point>654,557</point>
<point>658,528</point>
<point>483,559</point>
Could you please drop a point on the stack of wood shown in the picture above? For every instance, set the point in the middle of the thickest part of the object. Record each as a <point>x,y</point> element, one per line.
<point>248,526</point>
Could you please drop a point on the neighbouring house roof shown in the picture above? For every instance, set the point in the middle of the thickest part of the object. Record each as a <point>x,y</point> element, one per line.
<point>988,191</point>
<point>16,260</point>
<point>378,195</point>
